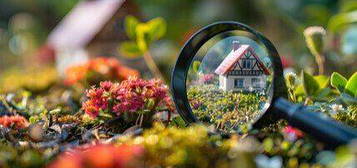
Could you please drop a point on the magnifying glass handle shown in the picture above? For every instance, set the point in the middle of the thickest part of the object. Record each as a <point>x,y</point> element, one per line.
<point>324,129</point>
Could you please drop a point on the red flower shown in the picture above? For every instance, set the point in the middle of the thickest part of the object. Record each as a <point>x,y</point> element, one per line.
<point>14,121</point>
<point>46,54</point>
<point>292,133</point>
<point>100,156</point>
<point>75,73</point>
<point>286,62</point>
<point>206,78</point>
<point>107,86</point>
<point>98,100</point>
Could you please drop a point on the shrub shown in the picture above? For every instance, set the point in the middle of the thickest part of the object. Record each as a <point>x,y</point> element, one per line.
<point>228,111</point>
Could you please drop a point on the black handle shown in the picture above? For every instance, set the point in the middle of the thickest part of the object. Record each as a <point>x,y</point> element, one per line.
<point>324,129</point>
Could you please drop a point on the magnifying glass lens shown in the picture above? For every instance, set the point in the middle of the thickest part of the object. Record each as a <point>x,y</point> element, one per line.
<point>229,82</point>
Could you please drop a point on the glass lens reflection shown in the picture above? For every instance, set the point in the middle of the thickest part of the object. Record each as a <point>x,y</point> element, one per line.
<point>229,81</point>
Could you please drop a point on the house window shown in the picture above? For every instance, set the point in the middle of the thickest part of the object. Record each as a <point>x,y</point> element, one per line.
<point>238,83</point>
<point>256,82</point>
<point>247,64</point>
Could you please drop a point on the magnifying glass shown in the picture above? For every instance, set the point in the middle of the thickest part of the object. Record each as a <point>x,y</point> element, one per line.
<point>230,75</point>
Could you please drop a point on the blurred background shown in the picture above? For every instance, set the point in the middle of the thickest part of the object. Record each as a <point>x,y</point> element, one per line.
<point>30,34</point>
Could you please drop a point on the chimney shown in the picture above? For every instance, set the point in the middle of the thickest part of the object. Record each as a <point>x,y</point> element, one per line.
<point>236,45</point>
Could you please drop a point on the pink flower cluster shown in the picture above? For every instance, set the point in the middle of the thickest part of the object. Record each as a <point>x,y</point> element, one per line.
<point>14,121</point>
<point>130,95</point>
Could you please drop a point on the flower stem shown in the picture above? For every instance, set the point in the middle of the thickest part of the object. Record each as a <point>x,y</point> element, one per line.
<point>320,60</point>
<point>308,101</point>
<point>152,66</point>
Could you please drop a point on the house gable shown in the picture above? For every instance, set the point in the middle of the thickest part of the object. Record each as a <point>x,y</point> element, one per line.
<point>242,62</point>
<point>229,61</point>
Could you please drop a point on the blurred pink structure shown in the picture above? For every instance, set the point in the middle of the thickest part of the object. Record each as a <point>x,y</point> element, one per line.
<point>80,26</point>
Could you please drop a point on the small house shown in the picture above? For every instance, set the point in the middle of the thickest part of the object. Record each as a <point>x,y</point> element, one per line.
<point>242,70</point>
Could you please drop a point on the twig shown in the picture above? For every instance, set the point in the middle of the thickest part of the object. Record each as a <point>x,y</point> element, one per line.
<point>320,60</point>
<point>152,66</point>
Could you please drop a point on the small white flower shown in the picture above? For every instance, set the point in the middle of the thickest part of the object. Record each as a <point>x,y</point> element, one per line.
<point>336,108</point>
<point>291,78</point>
<point>290,73</point>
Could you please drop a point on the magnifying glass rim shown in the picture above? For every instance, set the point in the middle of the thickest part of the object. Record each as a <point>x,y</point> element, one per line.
<point>188,52</point>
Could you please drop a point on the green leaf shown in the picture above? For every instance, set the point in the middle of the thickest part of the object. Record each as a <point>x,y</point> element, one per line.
<point>55,111</point>
<point>150,103</point>
<point>129,49</point>
<point>322,80</point>
<point>130,24</point>
<point>141,38</point>
<point>178,122</point>
<point>157,28</point>
<point>323,94</point>
<point>348,6</point>
<point>311,86</point>
<point>144,33</point>
<point>338,22</point>
<point>268,145</point>
<point>196,66</point>
<point>33,119</point>
<point>351,85</point>
<point>348,99</point>
<point>338,81</point>
<point>299,90</point>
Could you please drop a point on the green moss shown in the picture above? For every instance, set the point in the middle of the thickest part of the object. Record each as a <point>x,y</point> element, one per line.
<point>192,147</point>
<point>349,116</point>
<point>346,114</point>
<point>35,80</point>
<point>11,157</point>
<point>226,110</point>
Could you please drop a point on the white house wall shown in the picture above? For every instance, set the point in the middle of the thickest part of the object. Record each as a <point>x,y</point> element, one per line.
<point>222,82</point>
<point>229,82</point>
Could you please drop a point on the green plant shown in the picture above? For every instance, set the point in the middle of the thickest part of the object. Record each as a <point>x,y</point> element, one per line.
<point>313,88</point>
<point>141,36</point>
<point>310,88</point>
<point>337,102</point>
<point>291,80</point>
<point>343,85</point>
<point>346,88</point>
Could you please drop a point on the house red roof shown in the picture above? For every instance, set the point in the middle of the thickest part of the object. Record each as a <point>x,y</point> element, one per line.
<point>228,63</point>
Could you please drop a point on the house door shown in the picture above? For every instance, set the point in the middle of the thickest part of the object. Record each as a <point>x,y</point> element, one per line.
<point>256,82</point>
